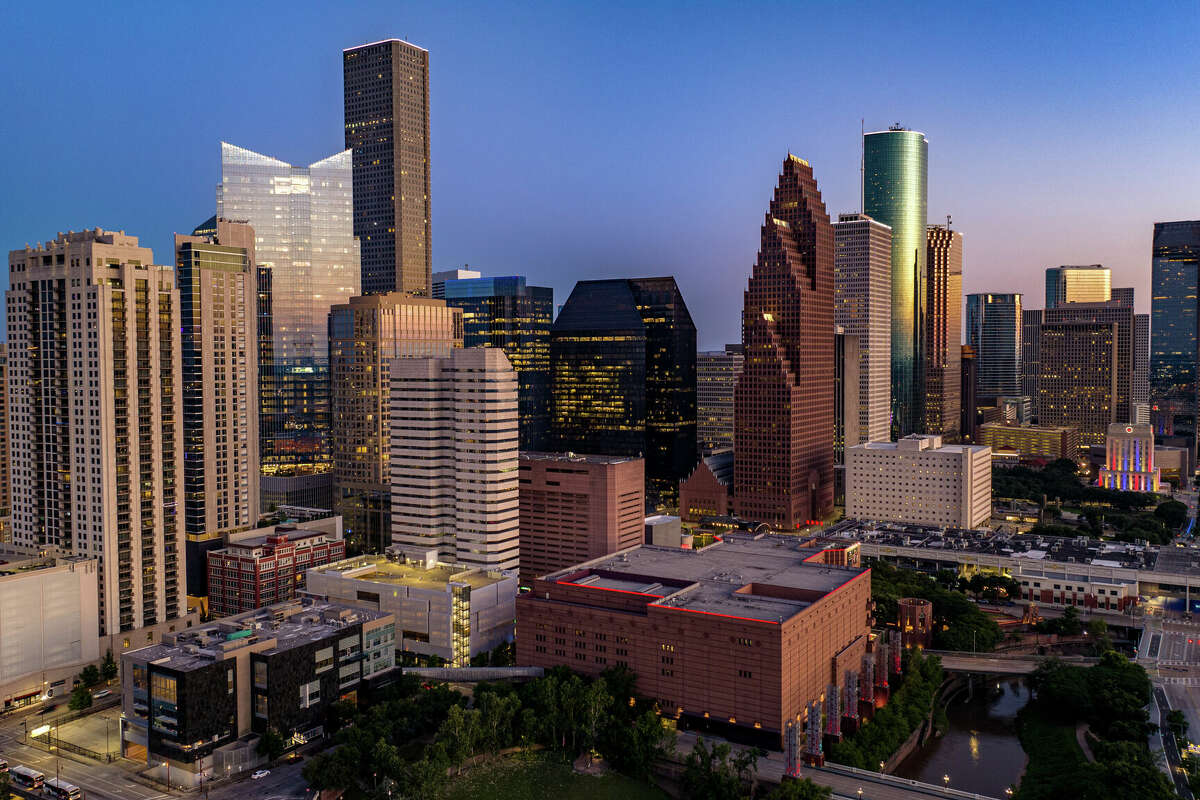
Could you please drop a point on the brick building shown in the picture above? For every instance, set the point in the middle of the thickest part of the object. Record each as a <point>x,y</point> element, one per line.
<point>708,491</point>
<point>738,636</point>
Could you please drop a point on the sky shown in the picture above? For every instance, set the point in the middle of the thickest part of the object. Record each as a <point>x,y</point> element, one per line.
<point>579,140</point>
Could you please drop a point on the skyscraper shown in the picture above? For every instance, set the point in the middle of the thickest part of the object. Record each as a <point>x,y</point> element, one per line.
<point>1113,312</point>
<point>1031,348</point>
<point>366,335</point>
<point>5,457</point>
<point>970,385</point>
<point>845,393</point>
<point>1174,345</point>
<point>862,270</point>
<point>1089,283</point>
<point>438,279</point>
<point>717,374</point>
<point>1078,383</point>
<point>623,378</point>
<point>784,403</point>
<point>454,456</point>
<point>217,279</point>
<point>1139,381</point>
<point>505,313</point>
<point>994,331</point>
<point>895,192</point>
<point>386,94</point>
<point>307,262</point>
<point>94,384</point>
<point>943,331</point>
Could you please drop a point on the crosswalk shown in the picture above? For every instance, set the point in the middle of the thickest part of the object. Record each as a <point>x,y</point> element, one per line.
<point>1178,681</point>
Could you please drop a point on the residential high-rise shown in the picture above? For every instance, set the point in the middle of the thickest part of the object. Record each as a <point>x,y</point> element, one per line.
<point>784,403</point>
<point>575,508</point>
<point>307,260</point>
<point>505,313</point>
<point>943,330</point>
<point>862,306</point>
<point>365,336</point>
<point>218,300</point>
<point>845,393</point>
<point>1114,312</point>
<point>438,279</point>
<point>1090,283</point>
<point>386,87</point>
<point>1031,359</point>
<point>994,331</point>
<point>969,385</point>
<point>96,403</point>
<point>454,457</point>
<point>895,192</point>
<point>623,378</point>
<point>717,373</point>
<point>1174,342</point>
<point>1077,387</point>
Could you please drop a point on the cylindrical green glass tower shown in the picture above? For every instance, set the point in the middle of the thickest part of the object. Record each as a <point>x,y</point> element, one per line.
<point>895,179</point>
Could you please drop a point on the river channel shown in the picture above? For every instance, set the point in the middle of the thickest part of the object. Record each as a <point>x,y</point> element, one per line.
<point>980,751</point>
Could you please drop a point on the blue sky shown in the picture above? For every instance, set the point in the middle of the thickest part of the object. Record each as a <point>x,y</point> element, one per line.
<point>576,140</point>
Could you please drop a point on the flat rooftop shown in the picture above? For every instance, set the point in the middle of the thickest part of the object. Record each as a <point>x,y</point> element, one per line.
<point>578,458</point>
<point>761,578</point>
<point>380,569</point>
<point>288,625</point>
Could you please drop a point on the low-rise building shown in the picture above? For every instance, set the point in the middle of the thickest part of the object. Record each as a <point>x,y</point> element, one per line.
<point>740,635</point>
<point>1129,459</point>
<point>919,480</point>
<point>264,566</point>
<point>708,491</point>
<point>193,702</point>
<point>451,611</point>
<point>1031,442</point>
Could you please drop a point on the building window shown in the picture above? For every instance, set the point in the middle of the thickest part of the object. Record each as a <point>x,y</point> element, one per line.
<point>260,705</point>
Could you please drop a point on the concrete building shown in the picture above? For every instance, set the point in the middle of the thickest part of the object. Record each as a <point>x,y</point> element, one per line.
<point>741,635</point>
<point>308,260</point>
<point>96,413</point>
<point>48,627</point>
<point>5,458</point>
<point>915,622</point>
<point>1031,352</point>
<point>919,480</point>
<point>1129,459</point>
<point>449,611</point>
<point>1089,283</point>
<point>267,565</point>
<point>365,336</point>
<point>784,403</point>
<point>1077,387</point>
<point>943,331</point>
<point>845,394</point>
<point>218,299</point>
<point>1172,464</point>
<point>969,384</point>
<point>717,373</point>
<point>439,279</point>
<point>386,103</point>
<point>665,530</point>
<point>1120,314</point>
<point>1031,442</point>
<point>862,306</point>
<point>708,491</point>
<point>577,507</point>
<point>196,702</point>
<point>454,457</point>
<point>994,331</point>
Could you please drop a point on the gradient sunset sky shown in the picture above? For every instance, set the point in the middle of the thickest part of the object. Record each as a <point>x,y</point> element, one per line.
<point>587,140</point>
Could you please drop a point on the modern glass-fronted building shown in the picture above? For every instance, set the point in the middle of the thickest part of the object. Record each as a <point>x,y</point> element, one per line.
<point>505,313</point>
<point>1089,283</point>
<point>895,193</point>
<point>994,331</point>
<point>1174,288</point>
<point>623,378</point>
<point>308,261</point>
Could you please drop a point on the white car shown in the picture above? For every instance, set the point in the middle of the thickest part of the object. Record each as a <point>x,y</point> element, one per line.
<point>262,773</point>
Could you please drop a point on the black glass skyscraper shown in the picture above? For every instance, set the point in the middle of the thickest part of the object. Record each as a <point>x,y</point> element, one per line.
<point>1175,283</point>
<point>623,378</point>
<point>505,313</point>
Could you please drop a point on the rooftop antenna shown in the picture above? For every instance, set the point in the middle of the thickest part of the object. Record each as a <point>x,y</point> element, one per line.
<point>947,222</point>
<point>862,164</point>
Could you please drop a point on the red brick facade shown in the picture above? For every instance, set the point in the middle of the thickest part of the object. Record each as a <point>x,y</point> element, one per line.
<point>701,494</point>
<point>243,577</point>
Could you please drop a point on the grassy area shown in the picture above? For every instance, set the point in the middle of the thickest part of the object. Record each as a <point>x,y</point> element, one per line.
<point>1054,756</point>
<point>544,778</point>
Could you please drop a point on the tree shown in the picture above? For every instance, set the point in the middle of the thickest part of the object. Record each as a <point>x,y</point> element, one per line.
<point>270,744</point>
<point>1070,624</point>
<point>90,675</point>
<point>713,775</point>
<point>1173,513</point>
<point>108,667</point>
<point>634,747</point>
<point>803,789</point>
<point>1177,723</point>
<point>81,698</point>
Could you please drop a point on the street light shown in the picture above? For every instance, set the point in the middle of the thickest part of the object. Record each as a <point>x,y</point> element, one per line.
<point>881,766</point>
<point>946,780</point>
<point>167,764</point>
<point>860,792</point>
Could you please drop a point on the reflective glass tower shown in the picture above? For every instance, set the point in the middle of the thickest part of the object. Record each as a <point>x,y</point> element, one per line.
<point>505,313</point>
<point>308,261</point>
<point>1089,283</point>
<point>1175,285</point>
<point>994,331</point>
<point>895,181</point>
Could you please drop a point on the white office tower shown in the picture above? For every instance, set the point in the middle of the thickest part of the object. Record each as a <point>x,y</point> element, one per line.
<point>95,391</point>
<point>920,481</point>
<point>454,452</point>
<point>862,269</point>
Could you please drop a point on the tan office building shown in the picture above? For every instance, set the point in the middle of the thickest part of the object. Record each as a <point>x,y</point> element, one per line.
<point>96,404</point>
<point>943,330</point>
<point>365,335</point>
<point>1077,386</point>
<point>1031,441</point>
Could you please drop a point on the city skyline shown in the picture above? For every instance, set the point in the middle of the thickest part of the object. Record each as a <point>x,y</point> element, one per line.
<point>543,163</point>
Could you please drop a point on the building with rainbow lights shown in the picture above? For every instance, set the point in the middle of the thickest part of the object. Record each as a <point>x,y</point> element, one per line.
<point>1129,459</point>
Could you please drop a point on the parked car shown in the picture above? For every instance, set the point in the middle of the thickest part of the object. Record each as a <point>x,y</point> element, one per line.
<point>262,773</point>
<point>101,693</point>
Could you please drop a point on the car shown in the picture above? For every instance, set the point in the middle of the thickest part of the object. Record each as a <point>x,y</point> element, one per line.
<point>262,773</point>
<point>101,693</point>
